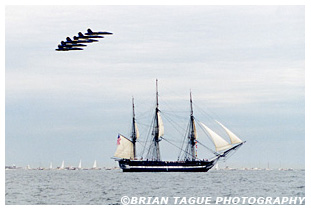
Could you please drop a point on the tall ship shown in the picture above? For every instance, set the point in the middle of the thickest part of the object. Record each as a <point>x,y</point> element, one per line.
<point>129,162</point>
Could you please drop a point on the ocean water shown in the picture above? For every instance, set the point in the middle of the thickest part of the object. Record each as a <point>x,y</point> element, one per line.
<point>101,187</point>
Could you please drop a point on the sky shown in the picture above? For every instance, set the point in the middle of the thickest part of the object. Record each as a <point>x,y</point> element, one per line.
<point>245,66</point>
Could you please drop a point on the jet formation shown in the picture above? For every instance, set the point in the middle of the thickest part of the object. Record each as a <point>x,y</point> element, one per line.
<point>80,41</point>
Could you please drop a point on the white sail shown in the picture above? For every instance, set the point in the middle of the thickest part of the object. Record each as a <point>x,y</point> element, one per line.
<point>233,138</point>
<point>161,126</point>
<point>194,130</point>
<point>51,167</point>
<point>63,165</point>
<point>95,164</point>
<point>125,148</point>
<point>219,142</point>
<point>136,131</point>
<point>216,167</point>
<point>80,165</point>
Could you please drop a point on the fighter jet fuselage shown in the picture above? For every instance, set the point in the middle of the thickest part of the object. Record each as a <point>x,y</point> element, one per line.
<point>67,48</point>
<point>90,32</point>
<point>81,40</point>
<point>81,36</point>
<point>71,44</point>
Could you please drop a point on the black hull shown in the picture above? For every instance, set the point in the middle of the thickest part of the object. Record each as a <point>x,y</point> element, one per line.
<point>165,166</point>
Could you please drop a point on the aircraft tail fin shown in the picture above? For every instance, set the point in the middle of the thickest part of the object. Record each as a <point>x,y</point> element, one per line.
<point>68,39</point>
<point>89,31</point>
<point>80,34</point>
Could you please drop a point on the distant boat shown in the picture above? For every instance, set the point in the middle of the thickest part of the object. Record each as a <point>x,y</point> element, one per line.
<point>63,165</point>
<point>95,166</point>
<point>126,147</point>
<point>51,167</point>
<point>216,166</point>
<point>80,165</point>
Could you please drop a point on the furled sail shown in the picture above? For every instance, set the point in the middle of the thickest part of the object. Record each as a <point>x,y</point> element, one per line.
<point>195,134</point>
<point>125,148</point>
<point>219,142</point>
<point>136,131</point>
<point>233,138</point>
<point>161,126</point>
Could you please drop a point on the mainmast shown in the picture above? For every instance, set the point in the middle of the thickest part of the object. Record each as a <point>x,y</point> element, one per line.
<point>134,130</point>
<point>192,134</point>
<point>157,124</point>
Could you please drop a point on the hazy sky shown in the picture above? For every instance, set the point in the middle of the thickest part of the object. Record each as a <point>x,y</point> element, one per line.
<point>244,65</point>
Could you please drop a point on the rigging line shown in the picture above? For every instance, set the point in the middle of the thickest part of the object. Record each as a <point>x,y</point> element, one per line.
<point>215,153</point>
<point>144,114</point>
<point>164,114</point>
<point>213,119</point>
<point>175,115</point>
<point>183,142</point>
<point>148,134</point>
<point>208,138</point>
<point>169,107</point>
<point>204,112</point>
<point>174,111</point>
<point>199,123</point>
<point>175,145</point>
<point>151,147</point>
<point>143,124</point>
<point>174,125</point>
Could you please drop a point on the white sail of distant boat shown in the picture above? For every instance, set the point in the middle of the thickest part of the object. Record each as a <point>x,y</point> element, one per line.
<point>233,138</point>
<point>51,167</point>
<point>80,165</point>
<point>216,166</point>
<point>219,142</point>
<point>63,165</point>
<point>95,164</point>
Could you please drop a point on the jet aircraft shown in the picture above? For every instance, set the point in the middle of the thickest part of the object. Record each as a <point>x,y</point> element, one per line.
<point>63,48</point>
<point>70,44</point>
<point>81,36</point>
<point>76,38</point>
<point>80,41</point>
<point>90,32</point>
<point>76,41</point>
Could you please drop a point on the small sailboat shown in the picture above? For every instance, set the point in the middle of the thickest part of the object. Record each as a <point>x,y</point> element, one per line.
<point>216,166</point>
<point>62,167</point>
<point>95,166</point>
<point>126,147</point>
<point>80,165</point>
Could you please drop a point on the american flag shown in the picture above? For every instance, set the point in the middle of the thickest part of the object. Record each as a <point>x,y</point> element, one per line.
<point>119,139</point>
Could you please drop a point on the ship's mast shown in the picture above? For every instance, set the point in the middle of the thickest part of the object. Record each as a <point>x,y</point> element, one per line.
<point>134,134</point>
<point>192,132</point>
<point>156,138</point>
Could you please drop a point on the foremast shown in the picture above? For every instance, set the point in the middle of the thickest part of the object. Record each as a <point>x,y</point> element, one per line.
<point>126,147</point>
<point>156,129</point>
<point>135,133</point>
